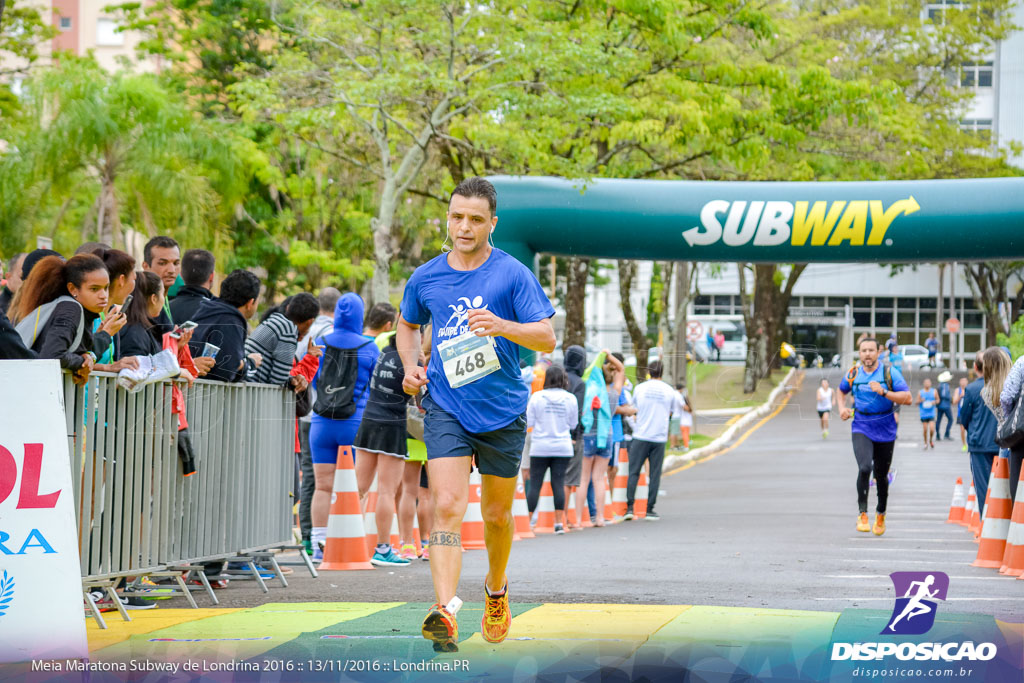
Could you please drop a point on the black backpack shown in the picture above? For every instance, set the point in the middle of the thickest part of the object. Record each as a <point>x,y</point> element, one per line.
<point>336,388</point>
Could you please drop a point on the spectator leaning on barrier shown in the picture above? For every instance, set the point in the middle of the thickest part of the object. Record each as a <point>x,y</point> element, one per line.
<point>77,290</point>
<point>27,264</point>
<point>275,339</point>
<point>13,282</point>
<point>197,269</point>
<point>162,256</point>
<point>1007,399</point>
<point>222,323</point>
<point>121,268</point>
<point>981,425</point>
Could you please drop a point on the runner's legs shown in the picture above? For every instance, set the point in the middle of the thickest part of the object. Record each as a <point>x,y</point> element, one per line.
<point>449,490</point>
<point>496,498</point>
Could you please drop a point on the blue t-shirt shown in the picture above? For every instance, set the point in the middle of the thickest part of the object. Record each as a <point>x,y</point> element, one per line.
<point>874,416</point>
<point>945,396</point>
<point>933,346</point>
<point>438,293</point>
<point>927,406</point>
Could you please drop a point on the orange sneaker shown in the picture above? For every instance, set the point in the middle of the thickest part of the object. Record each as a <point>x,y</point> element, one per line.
<point>862,522</point>
<point>497,617</point>
<point>441,628</point>
<point>879,527</point>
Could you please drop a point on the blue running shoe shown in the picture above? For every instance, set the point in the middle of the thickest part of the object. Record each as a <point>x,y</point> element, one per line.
<point>391,559</point>
<point>318,553</point>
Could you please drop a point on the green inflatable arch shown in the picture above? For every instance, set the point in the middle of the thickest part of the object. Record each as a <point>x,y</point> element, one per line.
<point>771,222</point>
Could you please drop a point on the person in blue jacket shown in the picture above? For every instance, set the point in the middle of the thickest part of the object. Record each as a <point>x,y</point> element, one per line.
<point>327,435</point>
<point>981,425</point>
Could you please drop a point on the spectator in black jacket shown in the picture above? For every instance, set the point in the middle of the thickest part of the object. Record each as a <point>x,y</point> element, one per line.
<point>197,267</point>
<point>222,322</point>
<point>575,364</point>
<point>11,346</point>
<point>980,424</point>
<point>13,282</point>
<point>137,337</point>
<point>82,284</point>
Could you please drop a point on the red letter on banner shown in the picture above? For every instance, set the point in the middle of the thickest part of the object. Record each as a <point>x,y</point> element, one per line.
<point>8,473</point>
<point>31,471</point>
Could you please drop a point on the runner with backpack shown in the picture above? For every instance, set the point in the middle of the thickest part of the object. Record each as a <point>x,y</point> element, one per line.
<point>342,385</point>
<point>876,390</point>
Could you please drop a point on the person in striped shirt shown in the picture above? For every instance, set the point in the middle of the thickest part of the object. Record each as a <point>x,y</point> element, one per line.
<point>275,339</point>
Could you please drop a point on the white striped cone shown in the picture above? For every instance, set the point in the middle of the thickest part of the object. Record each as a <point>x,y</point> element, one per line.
<point>521,511</point>
<point>607,511</point>
<point>1013,558</point>
<point>619,502</point>
<point>970,508</point>
<point>345,544</point>
<point>473,521</point>
<point>997,517</point>
<point>546,508</point>
<point>956,508</point>
<point>640,502</point>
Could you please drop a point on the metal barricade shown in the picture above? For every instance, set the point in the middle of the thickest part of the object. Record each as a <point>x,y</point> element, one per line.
<point>137,513</point>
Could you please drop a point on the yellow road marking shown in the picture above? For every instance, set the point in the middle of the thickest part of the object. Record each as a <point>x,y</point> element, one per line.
<point>746,434</point>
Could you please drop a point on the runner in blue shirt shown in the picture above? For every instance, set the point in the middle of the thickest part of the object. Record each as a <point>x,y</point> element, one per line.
<point>483,305</point>
<point>932,344</point>
<point>926,400</point>
<point>874,425</point>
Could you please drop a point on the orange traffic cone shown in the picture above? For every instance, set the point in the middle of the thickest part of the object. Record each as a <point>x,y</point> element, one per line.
<point>975,526</point>
<point>997,517</point>
<point>570,506</point>
<point>1013,558</point>
<point>473,521</point>
<point>346,540</point>
<point>546,508</point>
<point>606,509</point>
<point>956,508</point>
<point>640,502</point>
<point>520,510</point>
<point>972,503</point>
<point>619,503</point>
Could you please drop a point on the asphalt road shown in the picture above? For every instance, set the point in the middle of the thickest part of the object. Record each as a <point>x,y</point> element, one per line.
<point>769,523</point>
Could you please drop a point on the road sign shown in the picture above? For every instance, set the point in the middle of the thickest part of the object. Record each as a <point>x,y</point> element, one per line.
<point>952,325</point>
<point>694,330</point>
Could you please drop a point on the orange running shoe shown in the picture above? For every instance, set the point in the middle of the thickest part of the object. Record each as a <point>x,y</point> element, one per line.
<point>440,627</point>
<point>862,522</point>
<point>879,527</point>
<point>497,616</point>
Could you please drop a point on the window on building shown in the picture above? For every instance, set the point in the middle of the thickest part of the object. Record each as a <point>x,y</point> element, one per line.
<point>981,128</point>
<point>814,302</point>
<point>838,302</point>
<point>65,23</point>
<point>926,319</point>
<point>884,302</point>
<point>883,320</point>
<point>862,302</point>
<point>906,303</point>
<point>976,75</point>
<point>906,319</point>
<point>973,319</point>
<point>935,10</point>
<point>702,305</point>
<point>862,318</point>
<point>723,304</point>
<point>107,33</point>
<point>928,302</point>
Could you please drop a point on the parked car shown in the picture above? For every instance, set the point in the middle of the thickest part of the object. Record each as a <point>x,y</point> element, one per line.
<point>915,357</point>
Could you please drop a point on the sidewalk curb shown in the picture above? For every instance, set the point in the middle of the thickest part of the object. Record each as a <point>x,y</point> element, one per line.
<point>730,434</point>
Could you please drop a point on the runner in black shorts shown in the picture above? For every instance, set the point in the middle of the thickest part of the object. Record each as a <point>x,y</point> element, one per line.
<point>483,305</point>
<point>875,390</point>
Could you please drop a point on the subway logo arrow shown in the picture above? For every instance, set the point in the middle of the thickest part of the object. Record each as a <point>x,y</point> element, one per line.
<point>773,223</point>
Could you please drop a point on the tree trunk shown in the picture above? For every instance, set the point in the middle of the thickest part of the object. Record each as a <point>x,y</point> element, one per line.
<point>641,344</point>
<point>675,326</point>
<point>108,223</point>
<point>575,301</point>
<point>381,226</point>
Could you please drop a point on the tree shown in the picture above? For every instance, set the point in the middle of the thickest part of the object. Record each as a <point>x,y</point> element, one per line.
<point>998,289</point>
<point>129,149</point>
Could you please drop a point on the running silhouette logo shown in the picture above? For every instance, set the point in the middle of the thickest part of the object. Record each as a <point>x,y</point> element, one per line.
<point>914,612</point>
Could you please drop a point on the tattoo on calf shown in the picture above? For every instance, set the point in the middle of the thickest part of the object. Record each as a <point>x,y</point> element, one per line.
<point>445,538</point>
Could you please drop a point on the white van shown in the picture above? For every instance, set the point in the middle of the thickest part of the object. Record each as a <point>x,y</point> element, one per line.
<point>735,346</point>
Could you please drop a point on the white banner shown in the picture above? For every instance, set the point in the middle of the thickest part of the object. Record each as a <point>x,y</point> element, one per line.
<point>41,606</point>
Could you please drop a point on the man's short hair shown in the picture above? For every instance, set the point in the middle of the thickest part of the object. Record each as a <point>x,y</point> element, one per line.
<point>869,339</point>
<point>239,288</point>
<point>380,315</point>
<point>329,299</point>
<point>13,262</point>
<point>91,247</point>
<point>162,241</point>
<point>197,266</point>
<point>477,187</point>
<point>302,307</point>
<point>655,369</point>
